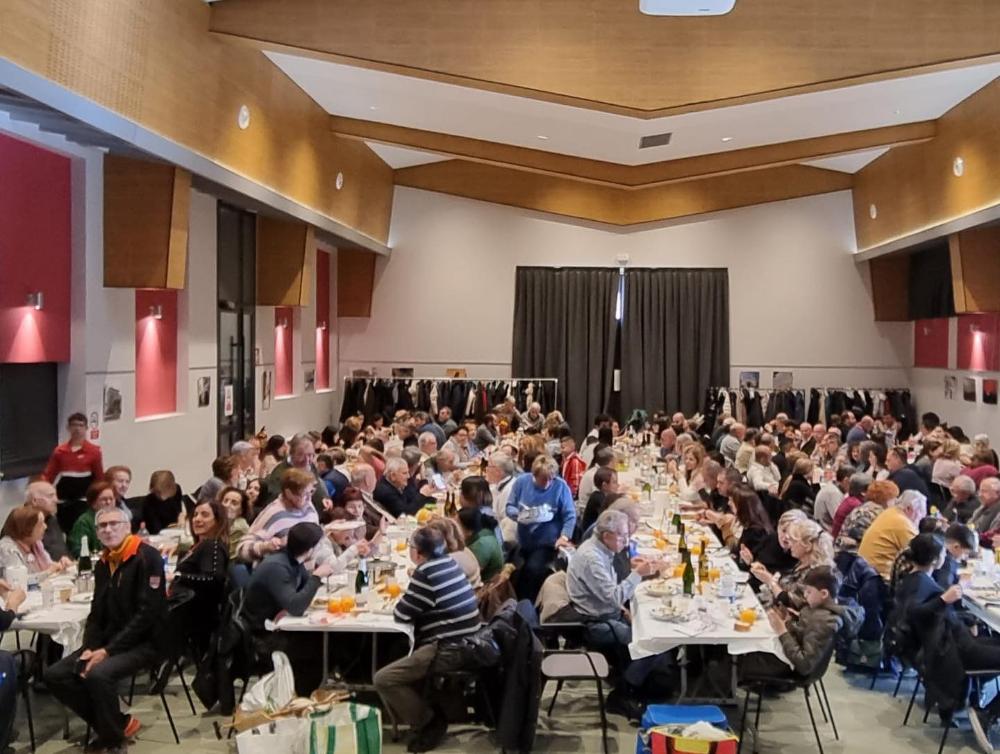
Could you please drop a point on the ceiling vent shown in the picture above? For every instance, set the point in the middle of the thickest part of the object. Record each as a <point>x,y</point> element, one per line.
<point>655,140</point>
<point>686,7</point>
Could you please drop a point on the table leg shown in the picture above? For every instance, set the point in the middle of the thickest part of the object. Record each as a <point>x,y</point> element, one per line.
<point>326,658</point>
<point>682,655</point>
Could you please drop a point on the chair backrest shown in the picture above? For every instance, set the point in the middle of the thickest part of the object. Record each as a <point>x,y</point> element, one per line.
<point>821,667</point>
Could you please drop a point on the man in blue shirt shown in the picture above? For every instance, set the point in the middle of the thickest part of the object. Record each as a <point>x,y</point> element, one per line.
<point>542,505</point>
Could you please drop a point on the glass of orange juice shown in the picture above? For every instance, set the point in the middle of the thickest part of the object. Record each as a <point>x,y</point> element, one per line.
<point>748,615</point>
<point>661,544</point>
<point>714,574</point>
<point>401,545</point>
<point>679,571</point>
<point>347,603</point>
<point>393,590</point>
<point>333,605</point>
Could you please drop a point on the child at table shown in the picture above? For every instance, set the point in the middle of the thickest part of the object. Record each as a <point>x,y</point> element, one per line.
<point>806,636</point>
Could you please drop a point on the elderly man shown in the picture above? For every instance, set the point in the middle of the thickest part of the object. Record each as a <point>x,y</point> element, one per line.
<point>807,443</point>
<point>397,491</point>
<point>422,423</point>
<point>301,456</point>
<point>542,505</point>
<point>598,598</point>
<point>533,419</point>
<point>668,442</point>
<point>428,444</point>
<point>42,496</point>
<point>731,443</point>
<point>987,515</point>
<point>247,461</point>
<point>862,430</point>
<point>500,473</point>
<point>963,501</point>
<point>122,633</point>
<point>891,532</point>
<point>832,492</point>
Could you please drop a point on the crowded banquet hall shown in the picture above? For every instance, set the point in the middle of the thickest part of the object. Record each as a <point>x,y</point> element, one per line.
<point>530,376</point>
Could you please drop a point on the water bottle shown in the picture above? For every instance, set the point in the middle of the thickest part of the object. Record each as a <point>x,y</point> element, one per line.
<point>48,593</point>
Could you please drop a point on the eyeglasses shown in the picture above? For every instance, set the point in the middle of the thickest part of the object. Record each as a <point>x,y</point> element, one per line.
<point>110,524</point>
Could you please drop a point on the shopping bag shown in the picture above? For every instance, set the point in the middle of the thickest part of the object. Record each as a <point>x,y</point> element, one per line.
<point>289,735</point>
<point>346,729</point>
<point>678,740</point>
<point>274,690</point>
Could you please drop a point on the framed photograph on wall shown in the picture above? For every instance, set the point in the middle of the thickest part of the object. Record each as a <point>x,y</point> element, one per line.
<point>990,392</point>
<point>969,389</point>
<point>310,380</point>
<point>204,391</point>
<point>950,382</point>
<point>112,403</point>
<point>750,379</point>
<point>781,380</point>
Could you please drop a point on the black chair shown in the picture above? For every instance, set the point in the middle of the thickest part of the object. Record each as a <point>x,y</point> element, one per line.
<point>808,684</point>
<point>975,676</point>
<point>467,685</point>
<point>27,667</point>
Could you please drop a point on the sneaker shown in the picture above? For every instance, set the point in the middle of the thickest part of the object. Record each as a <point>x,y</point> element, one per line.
<point>132,727</point>
<point>981,723</point>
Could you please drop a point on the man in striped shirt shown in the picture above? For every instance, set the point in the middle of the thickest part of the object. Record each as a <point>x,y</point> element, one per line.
<point>442,607</point>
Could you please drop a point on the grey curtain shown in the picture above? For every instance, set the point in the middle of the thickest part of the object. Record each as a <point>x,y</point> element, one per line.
<point>675,338</point>
<point>565,327</point>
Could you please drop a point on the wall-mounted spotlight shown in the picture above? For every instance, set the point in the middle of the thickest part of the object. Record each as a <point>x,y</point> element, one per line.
<point>283,322</point>
<point>36,300</point>
<point>321,326</point>
<point>156,311</point>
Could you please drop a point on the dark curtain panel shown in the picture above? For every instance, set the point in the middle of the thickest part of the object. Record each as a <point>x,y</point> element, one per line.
<point>931,294</point>
<point>565,327</point>
<point>675,338</point>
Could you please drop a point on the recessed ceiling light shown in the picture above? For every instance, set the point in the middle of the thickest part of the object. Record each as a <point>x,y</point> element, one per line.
<point>542,137</point>
<point>897,111</point>
<point>727,138</point>
<point>958,167</point>
<point>243,117</point>
<point>372,107</point>
<point>339,182</point>
<point>872,211</point>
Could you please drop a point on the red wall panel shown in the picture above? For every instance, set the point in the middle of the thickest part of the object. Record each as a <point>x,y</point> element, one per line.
<point>35,253</point>
<point>322,320</point>
<point>155,353</point>
<point>284,323</point>
<point>930,343</point>
<point>979,342</point>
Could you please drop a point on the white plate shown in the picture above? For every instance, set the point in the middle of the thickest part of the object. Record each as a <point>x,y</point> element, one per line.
<point>662,588</point>
<point>82,598</point>
<point>741,577</point>
<point>668,614</point>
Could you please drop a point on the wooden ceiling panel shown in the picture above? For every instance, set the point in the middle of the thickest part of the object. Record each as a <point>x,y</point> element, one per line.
<point>605,54</point>
<point>617,206</point>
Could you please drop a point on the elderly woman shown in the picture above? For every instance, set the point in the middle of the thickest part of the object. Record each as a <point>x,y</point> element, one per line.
<point>455,545</point>
<point>542,505</point>
<point>811,547</point>
<point>347,538</point>
<point>773,551</point>
<point>458,444</point>
<point>947,465</point>
<point>22,542</point>
<point>878,497</point>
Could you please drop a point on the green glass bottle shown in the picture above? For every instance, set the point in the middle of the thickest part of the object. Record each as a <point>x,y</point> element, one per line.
<point>682,542</point>
<point>688,576</point>
<point>676,521</point>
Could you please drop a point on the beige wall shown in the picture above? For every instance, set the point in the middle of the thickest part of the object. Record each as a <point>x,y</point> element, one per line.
<point>797,299</point>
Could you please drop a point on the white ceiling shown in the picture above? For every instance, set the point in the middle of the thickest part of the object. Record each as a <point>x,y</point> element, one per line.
<point>400,157</point>
<point>446,108</point>
<point>849,163</point>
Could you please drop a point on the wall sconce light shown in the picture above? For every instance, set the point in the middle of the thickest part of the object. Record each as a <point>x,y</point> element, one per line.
<point>974,329</point>
<point>283,322</point>
<point>156,311</point>
<point>321,326</point>
<point>926,329</point>
<point>36,300</point>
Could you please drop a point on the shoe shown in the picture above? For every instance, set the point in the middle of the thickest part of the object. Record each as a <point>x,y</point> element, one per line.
<point>624,705</point>
<point>132,727</point>
<point>981,723</point>
<point>430,735</point>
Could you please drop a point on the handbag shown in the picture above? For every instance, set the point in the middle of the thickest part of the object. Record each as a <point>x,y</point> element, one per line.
<point>345,729</point>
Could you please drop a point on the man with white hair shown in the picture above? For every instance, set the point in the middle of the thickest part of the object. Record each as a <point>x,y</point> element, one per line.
<point>247,462</point>
<point>598,598</point>
<point>533,420</point>
<point>302,456</point>
<point>987,515</point>
<point>731,443</point>
<point>427,443</point>
<point>963,501</point>
<point>891,532</point>
<point>397,492</point>
<point>807,441</point>
<point>42,496</point>
<point>500,473</point>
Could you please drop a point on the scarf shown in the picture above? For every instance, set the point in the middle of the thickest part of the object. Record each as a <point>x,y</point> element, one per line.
<point>124,551</point>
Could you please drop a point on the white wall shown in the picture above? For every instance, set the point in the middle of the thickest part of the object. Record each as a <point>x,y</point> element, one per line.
<point>445,297</point>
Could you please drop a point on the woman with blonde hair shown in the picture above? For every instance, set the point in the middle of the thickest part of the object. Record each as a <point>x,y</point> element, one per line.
<point>773,553</point>
<point>689,475</point>
<point>947,463</point>
<point>454,542</point>
<point>811,547</point>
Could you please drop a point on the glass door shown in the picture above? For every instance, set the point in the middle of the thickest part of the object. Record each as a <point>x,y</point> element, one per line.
<point>236,284</point>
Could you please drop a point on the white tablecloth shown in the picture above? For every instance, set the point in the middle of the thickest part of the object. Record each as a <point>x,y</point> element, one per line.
<point>712,622</point>
<point>64,622</point>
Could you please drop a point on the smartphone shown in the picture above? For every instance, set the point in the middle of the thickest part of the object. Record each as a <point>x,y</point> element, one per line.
<point>438,481</point>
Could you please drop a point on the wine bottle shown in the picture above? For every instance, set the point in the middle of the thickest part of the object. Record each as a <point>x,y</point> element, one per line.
<point>361,582</point>
<point>688,576</point>
<point>450,509</point>
<point>703,566</point>
<point>676,521</point>
<point>84,565</point>
<point>682,546</point>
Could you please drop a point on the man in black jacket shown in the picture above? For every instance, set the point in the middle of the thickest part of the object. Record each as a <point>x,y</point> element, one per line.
<point>122,632</point>
<point>397,493</point>
<point>902,475</point>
